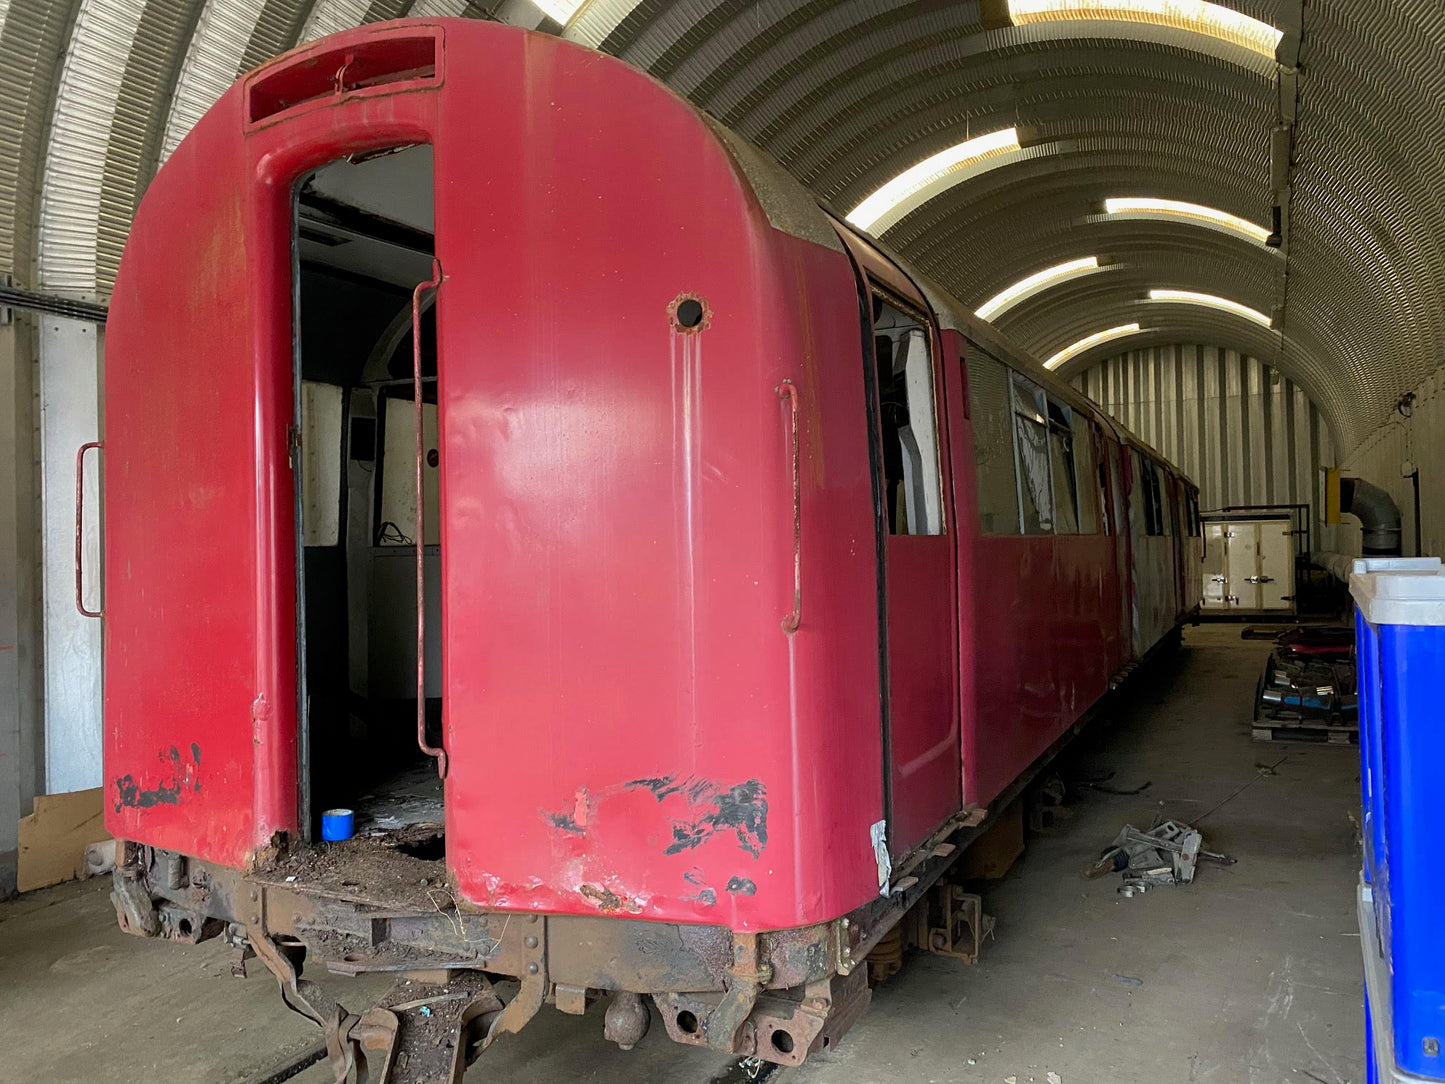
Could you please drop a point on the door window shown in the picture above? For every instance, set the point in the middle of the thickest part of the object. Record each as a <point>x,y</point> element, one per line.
<point>993,445</point>
<point>912,486</point>
<point>1036,497</point>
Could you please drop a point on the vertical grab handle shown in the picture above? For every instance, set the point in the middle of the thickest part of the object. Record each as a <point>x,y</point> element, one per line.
<point>789,391</point>
<point>79,522</point>
<point>419,528</point>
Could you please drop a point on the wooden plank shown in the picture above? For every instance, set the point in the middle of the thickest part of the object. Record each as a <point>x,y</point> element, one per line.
<point>1331,735</point>
<point>992,854</point>
<point>54,837</point>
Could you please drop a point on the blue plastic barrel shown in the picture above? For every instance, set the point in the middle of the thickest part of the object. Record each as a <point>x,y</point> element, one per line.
<point>1400,648</point>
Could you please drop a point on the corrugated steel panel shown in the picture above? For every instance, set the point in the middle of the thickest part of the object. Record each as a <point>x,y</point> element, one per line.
<point>1419,441</point>
<point>32,39</point>
<point>599,19</point>
<point>1241,430</point>
<point>438,9</point>
<point>133,155</point>
<point>85,107</point>
<point>332,17</point>
<point>211,65</point>
<point>277,28</point>
<point>381,10</point>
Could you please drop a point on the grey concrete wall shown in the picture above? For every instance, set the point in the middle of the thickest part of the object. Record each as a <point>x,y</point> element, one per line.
<point>21,733</point>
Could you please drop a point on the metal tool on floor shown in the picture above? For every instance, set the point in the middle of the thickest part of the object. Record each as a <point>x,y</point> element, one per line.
<point>1168,853</point>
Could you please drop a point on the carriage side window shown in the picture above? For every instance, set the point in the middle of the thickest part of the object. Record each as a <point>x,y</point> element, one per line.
<point>1031,427</point>
<point>912,485</point>
<point>1140,517</point>
<point>1156,508</point>
<point>993,445</point>
<point>1086,456</point>
<point>1061,457</point>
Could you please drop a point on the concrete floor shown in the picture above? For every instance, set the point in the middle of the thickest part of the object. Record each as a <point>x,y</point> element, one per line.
<point>1250,974</point>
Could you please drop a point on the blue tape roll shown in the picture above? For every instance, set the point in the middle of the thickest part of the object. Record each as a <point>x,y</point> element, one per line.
<point>337,824</point>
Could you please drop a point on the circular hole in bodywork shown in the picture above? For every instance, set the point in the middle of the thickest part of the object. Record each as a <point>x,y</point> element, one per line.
<point>184,926</point>
<point>689,313</point>
<point>687,1022</point>
<point>782,1041</point>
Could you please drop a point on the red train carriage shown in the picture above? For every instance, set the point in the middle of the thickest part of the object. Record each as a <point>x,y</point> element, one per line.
<point>668,579</point>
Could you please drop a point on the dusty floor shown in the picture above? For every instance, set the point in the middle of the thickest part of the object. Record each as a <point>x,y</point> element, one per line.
<point>1251,974</point>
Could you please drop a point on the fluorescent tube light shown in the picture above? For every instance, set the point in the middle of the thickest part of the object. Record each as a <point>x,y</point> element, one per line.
<point>1090,340</point>
<point>1190,297</point>
<point>1034,284</point>
<point>1146,207</point>
<point>1196,16</point>
<point>917,185</point>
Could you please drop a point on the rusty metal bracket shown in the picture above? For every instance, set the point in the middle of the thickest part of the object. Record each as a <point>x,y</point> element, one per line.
<point>955,924</point>
<point>533,991</point>
<point>133,907</point>
<point>746,977</point>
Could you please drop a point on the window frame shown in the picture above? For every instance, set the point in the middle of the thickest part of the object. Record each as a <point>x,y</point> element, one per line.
<point>880,291</point>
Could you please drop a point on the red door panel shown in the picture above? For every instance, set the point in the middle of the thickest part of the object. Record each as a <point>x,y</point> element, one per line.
<point>200,627</point>
<point>921,662</point>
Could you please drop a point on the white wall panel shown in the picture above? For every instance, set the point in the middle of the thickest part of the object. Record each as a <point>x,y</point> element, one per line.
<point>70,415</point>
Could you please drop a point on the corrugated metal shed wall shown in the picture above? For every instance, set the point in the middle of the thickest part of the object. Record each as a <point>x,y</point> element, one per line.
<point>1414,436</point>
<point>1243,432</point>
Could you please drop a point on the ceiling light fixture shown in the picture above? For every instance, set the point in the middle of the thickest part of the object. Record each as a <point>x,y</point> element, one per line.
<point>1212,217</point>
<point>1190,297</point>
<point>917,185</point>
<point>1035,284</point>
<point>1090,340</point>
<point>1196,16</point>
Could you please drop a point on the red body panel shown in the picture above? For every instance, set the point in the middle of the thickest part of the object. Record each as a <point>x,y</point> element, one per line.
<point>630,727</point>
<point>200,659</point>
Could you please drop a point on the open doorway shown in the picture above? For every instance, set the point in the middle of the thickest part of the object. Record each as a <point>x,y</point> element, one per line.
<point>363,241</point>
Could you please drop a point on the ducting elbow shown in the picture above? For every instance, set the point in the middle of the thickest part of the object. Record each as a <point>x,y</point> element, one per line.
<point>1378,514</point>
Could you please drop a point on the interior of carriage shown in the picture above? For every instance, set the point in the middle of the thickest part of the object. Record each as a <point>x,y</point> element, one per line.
<point>363,240</point>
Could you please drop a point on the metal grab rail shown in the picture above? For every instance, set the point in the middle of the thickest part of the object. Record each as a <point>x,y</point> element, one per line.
<point>432,751</point>
<point>79,521</point>
<point>788,390</point>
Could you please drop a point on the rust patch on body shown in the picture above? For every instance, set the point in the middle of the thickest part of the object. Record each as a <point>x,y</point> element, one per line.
<point>608,901</point>
<point>131,795</point>
<point>742,809</point>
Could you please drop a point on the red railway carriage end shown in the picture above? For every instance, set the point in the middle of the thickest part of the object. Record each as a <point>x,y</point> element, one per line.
<point>464,397</point>
<point>541,543</point>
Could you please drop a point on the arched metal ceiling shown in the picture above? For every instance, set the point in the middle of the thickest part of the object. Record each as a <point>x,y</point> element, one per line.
<point>95,93</point>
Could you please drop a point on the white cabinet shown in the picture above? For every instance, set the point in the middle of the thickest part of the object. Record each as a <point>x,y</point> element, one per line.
<point>1249,564</point>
